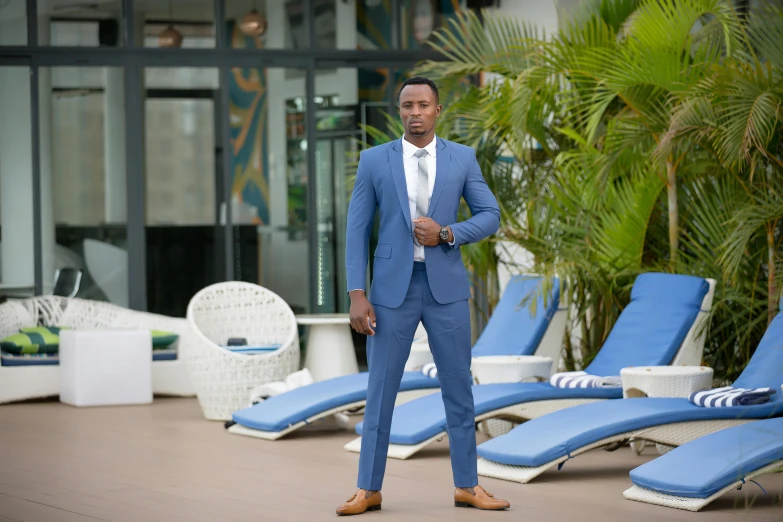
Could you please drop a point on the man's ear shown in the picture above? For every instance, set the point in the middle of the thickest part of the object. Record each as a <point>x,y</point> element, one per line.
<point>438,108</point>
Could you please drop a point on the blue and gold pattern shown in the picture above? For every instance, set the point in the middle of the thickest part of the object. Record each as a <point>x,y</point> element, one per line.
<point>248,123</point>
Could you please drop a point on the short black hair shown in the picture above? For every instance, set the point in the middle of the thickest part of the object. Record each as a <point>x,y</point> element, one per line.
<point>420,80</point>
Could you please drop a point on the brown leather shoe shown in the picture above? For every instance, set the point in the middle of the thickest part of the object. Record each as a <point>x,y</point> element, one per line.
<point>481,500</point>
<point>358,504</point>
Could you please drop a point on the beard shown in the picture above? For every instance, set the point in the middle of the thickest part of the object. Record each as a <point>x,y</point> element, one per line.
<point>418,131</point>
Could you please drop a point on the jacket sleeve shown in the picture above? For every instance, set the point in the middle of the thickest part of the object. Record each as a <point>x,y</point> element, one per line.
<point>361,214</point>
<point>485,220</point>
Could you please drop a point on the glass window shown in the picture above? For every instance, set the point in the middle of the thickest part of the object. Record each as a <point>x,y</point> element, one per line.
<point>80,24</point>
<point>181,78</point>
<point>13,22</point>
<point>176,23</point>
<point>182,178</point>
<point>419,18</point>
<point>17,276</point>
<point>417,21</point>
<point>346,99</point>
<point>373,25</point>
<point>277,24</point>
<point>83,157</point>
<point>269,181</point>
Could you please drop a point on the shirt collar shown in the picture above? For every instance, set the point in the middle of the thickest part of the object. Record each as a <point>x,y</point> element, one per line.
<point>409,149</point>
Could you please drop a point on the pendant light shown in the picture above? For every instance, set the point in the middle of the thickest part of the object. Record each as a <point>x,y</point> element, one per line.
<point>253,23</point>
<point>170,36</point>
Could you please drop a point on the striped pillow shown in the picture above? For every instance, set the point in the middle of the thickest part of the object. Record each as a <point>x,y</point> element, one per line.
<point>37,339</point>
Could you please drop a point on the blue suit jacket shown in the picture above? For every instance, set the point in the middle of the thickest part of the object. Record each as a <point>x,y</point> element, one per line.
<point>380,184</point>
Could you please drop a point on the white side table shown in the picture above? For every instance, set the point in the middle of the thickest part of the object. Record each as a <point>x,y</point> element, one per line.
<point>665,381</point>
<point>488,369</point>
<point>330,350</point>
<point>105,367</point>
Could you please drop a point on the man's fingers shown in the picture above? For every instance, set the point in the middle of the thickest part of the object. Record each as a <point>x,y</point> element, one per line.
<point>355,324</point>
<point>372,317</point>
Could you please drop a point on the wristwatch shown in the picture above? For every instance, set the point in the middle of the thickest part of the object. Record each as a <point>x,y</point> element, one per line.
<point>444,234</point>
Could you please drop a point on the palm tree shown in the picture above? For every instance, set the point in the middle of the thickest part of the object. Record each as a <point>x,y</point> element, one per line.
<point>629,153</point>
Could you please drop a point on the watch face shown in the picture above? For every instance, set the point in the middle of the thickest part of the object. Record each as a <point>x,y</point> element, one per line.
<point>444,233</point>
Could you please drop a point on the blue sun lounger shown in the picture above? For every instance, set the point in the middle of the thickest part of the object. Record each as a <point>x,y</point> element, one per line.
<point>696,473</point>
<point>531,448</point>
<point>660,326</point>
<point>511,330</point>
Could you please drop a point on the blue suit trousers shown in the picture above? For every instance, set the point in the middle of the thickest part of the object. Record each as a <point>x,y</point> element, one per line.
<point>448,331</point>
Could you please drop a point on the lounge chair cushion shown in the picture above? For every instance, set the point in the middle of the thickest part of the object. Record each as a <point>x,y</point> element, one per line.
<point>162,340</point>
<point>512,330</point>
<point>552,436</point>
<point>425,417</point>
<point>557,434</point>
<point>297,405</point>
<point>52,359</point>
<point>706,465</point>
<point>663,307</point>
<point>765,368</point>
<point>649,332</point>
<point>34,339</point>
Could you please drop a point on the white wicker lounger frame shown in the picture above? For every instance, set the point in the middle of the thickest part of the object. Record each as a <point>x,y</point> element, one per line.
<point>649,496</point>
<point>689,354</point>
<point>402,397</point>
<point>673,434</point>
<point>33,382</point>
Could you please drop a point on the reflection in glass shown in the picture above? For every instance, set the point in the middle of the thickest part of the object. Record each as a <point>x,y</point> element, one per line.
<point>346,99</point>
<point>185,246</point>
<point>420,18</point>
<point>16,184</point>
<point>180,147</point>
<point>176,23</point>
<point>80,24</point>
<point>282,23</point>
<point>13,22</point>
<point>87,165</point>
<point>269,172</point>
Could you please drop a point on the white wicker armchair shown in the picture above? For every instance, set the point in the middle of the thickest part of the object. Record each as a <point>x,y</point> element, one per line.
<point>223,379</point>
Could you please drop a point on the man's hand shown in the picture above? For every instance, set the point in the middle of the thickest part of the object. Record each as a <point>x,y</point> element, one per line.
<point>362,313</point>
<point>428,231</point>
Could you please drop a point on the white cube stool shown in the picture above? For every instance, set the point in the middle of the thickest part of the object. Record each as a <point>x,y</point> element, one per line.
<point>105,367</point>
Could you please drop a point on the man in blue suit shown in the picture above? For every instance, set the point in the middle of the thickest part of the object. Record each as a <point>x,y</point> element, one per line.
<point>416,183</point>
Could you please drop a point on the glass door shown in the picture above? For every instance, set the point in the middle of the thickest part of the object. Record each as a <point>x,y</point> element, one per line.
<point>185,242</point>
<point>336,150</point>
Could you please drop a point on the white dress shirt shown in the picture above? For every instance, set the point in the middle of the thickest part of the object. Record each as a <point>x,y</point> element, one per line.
<point>411,164</point>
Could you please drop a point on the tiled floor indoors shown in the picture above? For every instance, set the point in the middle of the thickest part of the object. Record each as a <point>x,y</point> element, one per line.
<point>164,462</point>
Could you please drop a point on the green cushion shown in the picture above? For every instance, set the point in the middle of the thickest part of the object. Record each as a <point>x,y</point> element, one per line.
<point>46,339</point>
<point>38,339</point>
<point>161,339</point>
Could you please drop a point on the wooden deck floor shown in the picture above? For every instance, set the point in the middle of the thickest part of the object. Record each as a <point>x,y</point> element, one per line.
<point>163,462</point>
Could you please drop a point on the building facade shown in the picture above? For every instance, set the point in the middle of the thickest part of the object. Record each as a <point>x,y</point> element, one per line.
<point>163,146</point>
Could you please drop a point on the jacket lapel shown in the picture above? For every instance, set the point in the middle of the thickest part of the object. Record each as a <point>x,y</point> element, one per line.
<point>442,161</point>
<point>398,175</point>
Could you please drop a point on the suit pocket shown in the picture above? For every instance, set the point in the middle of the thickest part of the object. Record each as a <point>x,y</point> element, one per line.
<point>383,251</point>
